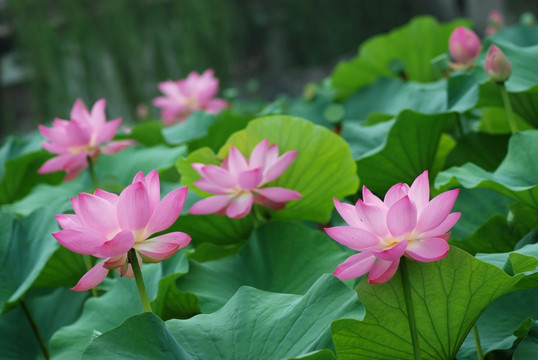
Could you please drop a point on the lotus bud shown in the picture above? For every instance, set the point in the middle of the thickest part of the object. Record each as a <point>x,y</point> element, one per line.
<point>497,66</point>
<point>464,46</point>
<point>495,22</point>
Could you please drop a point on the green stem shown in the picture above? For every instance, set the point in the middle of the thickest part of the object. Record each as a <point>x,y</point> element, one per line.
<point>139,281</point>
<point>91,167</point>
<point>88,264</point>
<point>410,309</point>
<point>36,331</point>
<point>480,355</point>
<point>508,108</point>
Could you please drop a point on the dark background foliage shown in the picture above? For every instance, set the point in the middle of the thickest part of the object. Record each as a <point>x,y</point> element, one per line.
<point>54,51</point>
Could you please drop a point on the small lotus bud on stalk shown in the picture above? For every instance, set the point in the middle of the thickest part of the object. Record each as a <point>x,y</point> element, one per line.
<point>464,46</point>
<point>495,22</point>
<point>497,66</point>
<point>499,69</point>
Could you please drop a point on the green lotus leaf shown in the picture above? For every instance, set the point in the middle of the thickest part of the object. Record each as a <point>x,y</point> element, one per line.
<point>375,55</point>
<point>516,176</point>
<point>448,296</point>
<point>397,150</point>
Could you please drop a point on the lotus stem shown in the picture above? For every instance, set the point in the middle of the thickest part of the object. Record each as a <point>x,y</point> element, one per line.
<point>35,329</point>
<point>91,167</point>
<point>139,280</point>
<point>406,284</point>
<point>508,108</point>
<point>479,354</point>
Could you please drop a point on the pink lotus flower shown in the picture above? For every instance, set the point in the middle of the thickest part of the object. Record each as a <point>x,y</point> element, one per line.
<point>82,137</point>
<point>464,47</point>
<point>406,223</point>
<point>238,183</point>
<point>183,97</point>
<point>497,66</point>
<point>107,226</point>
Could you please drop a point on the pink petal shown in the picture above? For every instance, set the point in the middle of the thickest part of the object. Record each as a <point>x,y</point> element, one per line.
<point>354,238</point>
<point>92,278</point>
<point>278,194</point>
<point>68,221</point>
<point>98,214</point>
<point>236,162</point>
<point>167,211</point>
<point>348,213</point>
<point>115,261</point>
<point>153,186</point>
<point>445,226</point>
<point>259,154</point>
<point>107,131</point>
<point>80,112</point>
<point>119,244</point>
<point>108,196</point>
<point>80,240</point>
<point>55,135</point>
<point>279,166</point>
<point>210,205</point>
<point>75,165</point>
<point>77,134</point>
<point>382,271</point>
<point>355,266</point>
<point>369,198</point>
<point>133,208</point>
<point>395,193</point>
<point>372,217</point>
<point>272,155</point>
<point>55,148</point>
<point>56,163</point>
<point>393,253</point>
<point>419,192</point>
<point>209,187</point>
<point>240,206</point>
<point>437,210</point>
<point>250,179</point>
<point>402,217</point>
<point>164,246</point>
<point>214,106</point>
<point>218,176</point>
<point>98,116</point>
<point>427,250</point>
<point>198,167</point>
<point>168,88</point>
<point>116,146</point>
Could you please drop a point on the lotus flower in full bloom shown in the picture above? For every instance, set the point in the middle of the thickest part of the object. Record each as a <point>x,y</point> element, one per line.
<point>497,66</point>
<point>464,46</point>
<point>405,223</point>
<point>107,226</point>
<point>79,139</point>
<point>239,182</point>
<point>183,97</point>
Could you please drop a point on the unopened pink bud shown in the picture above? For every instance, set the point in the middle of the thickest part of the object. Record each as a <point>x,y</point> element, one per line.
<point>497,66</point>
<point>464,45</point>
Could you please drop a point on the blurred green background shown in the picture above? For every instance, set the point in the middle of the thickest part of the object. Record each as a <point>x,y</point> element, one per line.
<point>55,51</point>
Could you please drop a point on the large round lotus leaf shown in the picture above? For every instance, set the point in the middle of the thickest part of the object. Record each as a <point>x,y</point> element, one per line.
<point>448,296</point>
<point>412,46</point>
<point>395,151</point>
<point>322,170</point>
<point>516,176</point>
